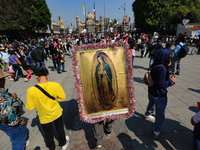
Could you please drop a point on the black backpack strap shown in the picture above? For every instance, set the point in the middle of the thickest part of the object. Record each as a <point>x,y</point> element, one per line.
<point>43,91</point>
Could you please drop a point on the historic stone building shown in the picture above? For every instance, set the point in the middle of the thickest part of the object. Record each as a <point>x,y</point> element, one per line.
<point>91,25</point>
<point>57,28</point>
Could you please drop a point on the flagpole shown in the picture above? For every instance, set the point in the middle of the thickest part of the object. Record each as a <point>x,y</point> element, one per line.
<point>104,15</point>
<point>84,13</point>
<point>94,11</point>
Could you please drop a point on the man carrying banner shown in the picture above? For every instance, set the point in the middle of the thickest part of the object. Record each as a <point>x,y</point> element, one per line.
<point>99,132</point>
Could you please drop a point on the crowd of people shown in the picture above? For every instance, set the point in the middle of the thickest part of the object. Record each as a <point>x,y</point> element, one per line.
<point>31,54</point>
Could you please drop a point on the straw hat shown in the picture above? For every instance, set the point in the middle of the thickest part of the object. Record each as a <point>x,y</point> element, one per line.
<point>4,74</point>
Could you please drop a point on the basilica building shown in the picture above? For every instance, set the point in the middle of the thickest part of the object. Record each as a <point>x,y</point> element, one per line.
<point>91,25</point>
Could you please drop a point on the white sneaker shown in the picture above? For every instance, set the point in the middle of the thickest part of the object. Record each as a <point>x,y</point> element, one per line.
<point>64,147</point>
<point>26,80</point>
<point>26,143</point>
<point>11,79</point>
<point>149,117</point>
<point>98,146</point>
<point>156,134</point>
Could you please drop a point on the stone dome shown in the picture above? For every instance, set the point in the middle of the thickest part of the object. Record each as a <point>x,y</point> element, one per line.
<point>89,16</point>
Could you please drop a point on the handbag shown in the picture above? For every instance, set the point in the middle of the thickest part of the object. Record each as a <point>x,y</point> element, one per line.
<point>55,57</point>
<point>148,78</point>
<point>45,92</point>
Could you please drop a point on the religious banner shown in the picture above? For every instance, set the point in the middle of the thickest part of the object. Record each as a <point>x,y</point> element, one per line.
<point>104,81</point>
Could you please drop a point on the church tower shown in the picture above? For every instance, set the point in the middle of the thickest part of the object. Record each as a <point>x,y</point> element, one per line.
<point>101,20</point>
<point>77,22</point>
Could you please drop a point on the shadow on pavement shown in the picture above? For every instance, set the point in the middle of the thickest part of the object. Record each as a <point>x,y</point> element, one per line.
<point>72,121</point>
<point>126,141</point>
<point>139,67</point>
<point>194,90</point>
<point>138,79</point>
<point>52,68</point>
<point>194,109</point>
<point>173,135</point>
<point>36,122</point>
<point>37,148</point>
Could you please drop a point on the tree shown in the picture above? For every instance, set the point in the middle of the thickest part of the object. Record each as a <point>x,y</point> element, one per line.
<point>12,14</point>
<point>39,15</point>
<point>164,15</point>
<point>188,11</point>
<point>19,16</point>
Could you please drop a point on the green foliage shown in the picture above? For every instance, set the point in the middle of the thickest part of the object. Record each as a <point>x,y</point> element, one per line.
<point>157,15</point>
<point>11,14</point>
<point>39,14</point>
<point>24,15</point>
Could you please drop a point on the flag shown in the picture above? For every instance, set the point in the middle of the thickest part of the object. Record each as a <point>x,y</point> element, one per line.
<point>94,9</point>
<point>48,29</point>
<point>83,8</point>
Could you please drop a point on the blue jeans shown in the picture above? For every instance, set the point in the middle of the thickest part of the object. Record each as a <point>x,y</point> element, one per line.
<point>196,137</point>
<point>150,62</point>
<point>18,135</point>
<point>176,64</point>
<point>63,66</point>
<point>59,65</point>
<point>157,104</point>
<point>132,60</point>
<point>41,63</point>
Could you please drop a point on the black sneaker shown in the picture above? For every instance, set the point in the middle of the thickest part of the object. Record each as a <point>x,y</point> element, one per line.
<point>177,73</point>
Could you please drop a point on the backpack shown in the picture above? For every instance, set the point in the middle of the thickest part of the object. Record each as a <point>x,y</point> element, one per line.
<point>183,51</point>
<point>10,108</point>
<point>148,78</point>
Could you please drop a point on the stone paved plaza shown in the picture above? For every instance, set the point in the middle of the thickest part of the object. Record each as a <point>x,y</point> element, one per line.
<point>134,133</point>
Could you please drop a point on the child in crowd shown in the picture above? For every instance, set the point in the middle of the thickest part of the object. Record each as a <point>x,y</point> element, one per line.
<point>62,60</point>
<point>26,67</point>
<point>11,71</point>
<point>132,47</point>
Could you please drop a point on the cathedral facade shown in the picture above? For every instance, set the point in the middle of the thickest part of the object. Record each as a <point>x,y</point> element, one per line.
<point>91,24</point>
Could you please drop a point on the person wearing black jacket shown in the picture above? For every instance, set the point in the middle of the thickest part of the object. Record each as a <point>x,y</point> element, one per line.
<point>38,56</point>
<point>149,45</point>
<point>53,52</point>
<point>26,67</point>
<point>152,49</point>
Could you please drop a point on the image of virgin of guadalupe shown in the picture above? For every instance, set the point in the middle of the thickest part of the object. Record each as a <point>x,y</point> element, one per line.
<point>103,75</point>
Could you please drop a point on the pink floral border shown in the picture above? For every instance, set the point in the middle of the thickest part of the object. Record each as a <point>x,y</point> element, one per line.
<point>78,85</point>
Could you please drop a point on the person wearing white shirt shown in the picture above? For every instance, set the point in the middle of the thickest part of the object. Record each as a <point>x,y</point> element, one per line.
<point>132,47</point>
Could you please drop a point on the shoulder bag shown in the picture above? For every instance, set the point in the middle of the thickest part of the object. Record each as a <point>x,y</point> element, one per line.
<point>45,92</point>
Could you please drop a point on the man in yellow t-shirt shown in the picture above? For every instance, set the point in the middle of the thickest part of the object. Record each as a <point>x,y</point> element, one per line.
<point>48,110</point>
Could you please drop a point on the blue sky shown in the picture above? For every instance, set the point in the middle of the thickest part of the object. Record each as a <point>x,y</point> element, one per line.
<point>68,9</point>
